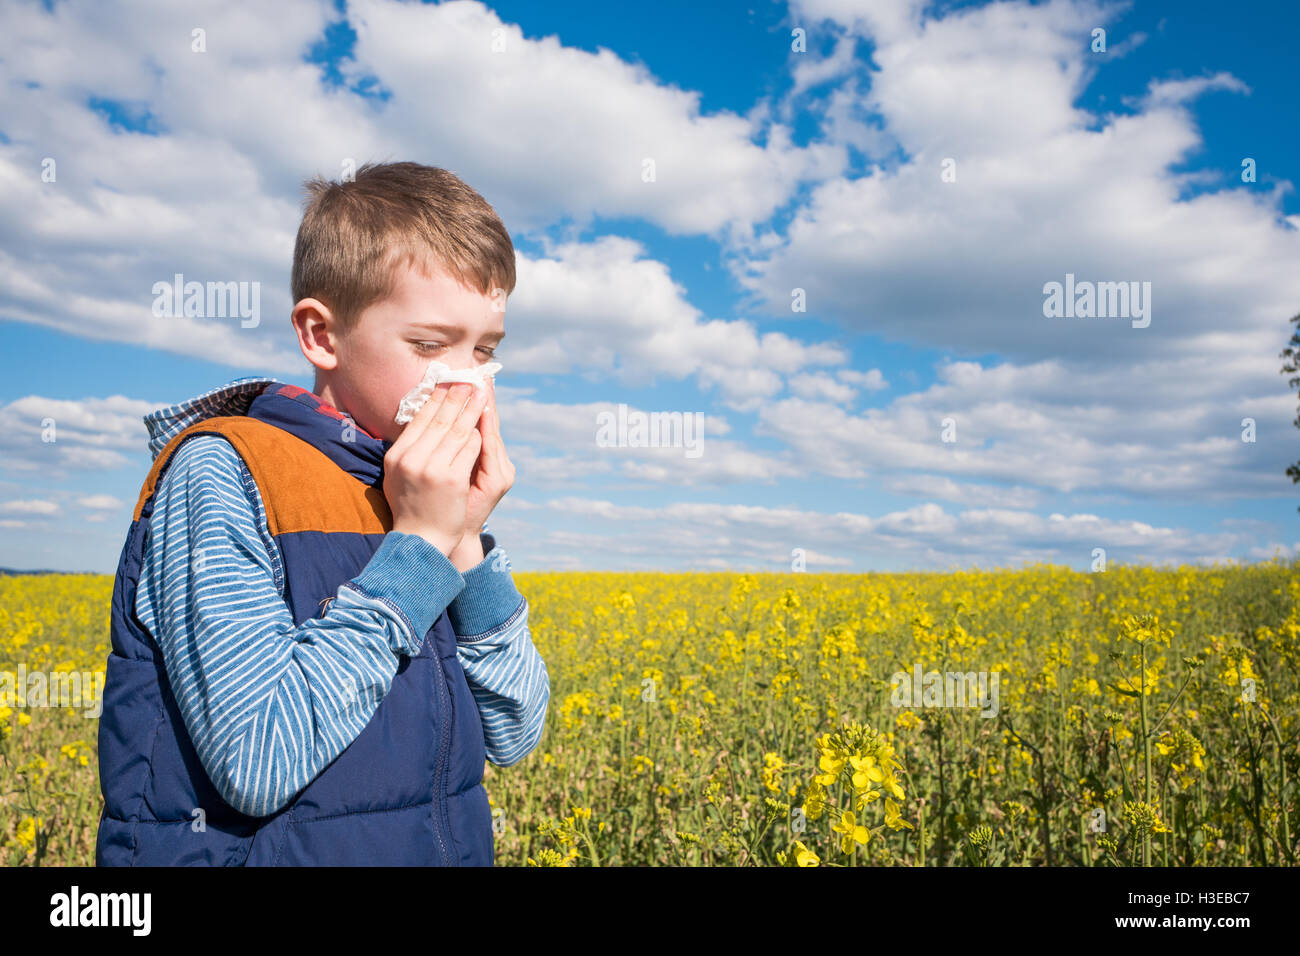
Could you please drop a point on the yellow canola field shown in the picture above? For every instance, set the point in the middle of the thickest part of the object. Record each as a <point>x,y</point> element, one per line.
<point>1028,717</point>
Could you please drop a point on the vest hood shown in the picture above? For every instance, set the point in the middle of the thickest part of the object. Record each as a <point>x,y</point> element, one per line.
<point>232,398</point>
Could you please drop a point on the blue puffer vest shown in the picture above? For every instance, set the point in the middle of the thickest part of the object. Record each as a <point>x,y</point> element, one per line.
<point>407,792</point>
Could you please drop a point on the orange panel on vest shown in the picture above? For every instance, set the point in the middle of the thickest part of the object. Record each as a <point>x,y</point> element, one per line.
<point>280,462</point>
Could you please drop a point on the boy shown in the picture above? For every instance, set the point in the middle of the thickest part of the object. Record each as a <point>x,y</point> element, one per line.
<point>316,644</point>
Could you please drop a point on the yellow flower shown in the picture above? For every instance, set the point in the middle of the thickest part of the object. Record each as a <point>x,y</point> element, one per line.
<point>891,784</point>
<point>892,818</point>
<point>26,834</point>
<point>865,772</point>
<point>814,803</point>
<point>832,765</point>
<point>772,765</point>
<point>850,832</point>
<point>907,720</point>
<point>805,856</point>
<point>548,857</point>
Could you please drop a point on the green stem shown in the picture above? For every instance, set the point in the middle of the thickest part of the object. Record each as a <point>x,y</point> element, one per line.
<point>1281,787</point>
<point>1146,751</point>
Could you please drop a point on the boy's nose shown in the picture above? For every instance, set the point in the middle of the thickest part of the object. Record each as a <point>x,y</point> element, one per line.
<point>462,359</point>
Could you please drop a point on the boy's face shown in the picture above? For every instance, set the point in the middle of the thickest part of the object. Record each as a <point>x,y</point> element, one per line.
<point>368,371</point>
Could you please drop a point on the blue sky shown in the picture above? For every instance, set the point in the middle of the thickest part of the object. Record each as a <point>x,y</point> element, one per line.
<point>818,170</point>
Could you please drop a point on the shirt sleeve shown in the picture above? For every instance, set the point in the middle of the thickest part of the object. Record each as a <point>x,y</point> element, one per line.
<point>506,674</point>
<point>267,703</point>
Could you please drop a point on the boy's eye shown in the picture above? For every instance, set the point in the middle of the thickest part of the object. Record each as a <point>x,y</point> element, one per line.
<point>430,346</point>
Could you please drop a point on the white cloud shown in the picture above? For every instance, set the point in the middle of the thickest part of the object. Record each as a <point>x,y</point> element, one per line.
<point>1166,93</point>
<point>1124,47</point>
<point>32,506</point>
<point>820,386</point>
<point>101,503</point>
<point>966,493</point>
<point>570,434</point>
<point>604,307</point>
<point>1157,428</point>
<point>558,132</point>
<point>54,437</point>
<point>883,19</point>
<point>872,379</point>
<point>713,535</point>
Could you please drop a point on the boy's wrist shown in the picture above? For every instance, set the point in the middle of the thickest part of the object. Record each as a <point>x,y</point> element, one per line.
<point>468,552</point>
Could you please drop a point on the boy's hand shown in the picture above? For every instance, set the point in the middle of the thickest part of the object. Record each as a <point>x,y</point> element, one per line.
<point>493,474</point>
<point>427,469</point>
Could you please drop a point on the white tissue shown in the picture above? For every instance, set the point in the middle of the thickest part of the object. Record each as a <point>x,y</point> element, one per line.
<point>440,372</point>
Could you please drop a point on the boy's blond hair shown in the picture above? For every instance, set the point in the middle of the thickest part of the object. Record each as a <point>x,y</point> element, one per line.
<point>356,234</point>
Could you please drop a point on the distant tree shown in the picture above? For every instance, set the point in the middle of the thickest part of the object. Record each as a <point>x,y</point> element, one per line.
<point>1292,367</point>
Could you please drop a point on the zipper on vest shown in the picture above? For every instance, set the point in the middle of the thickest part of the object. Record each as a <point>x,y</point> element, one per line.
<point>439,787</point>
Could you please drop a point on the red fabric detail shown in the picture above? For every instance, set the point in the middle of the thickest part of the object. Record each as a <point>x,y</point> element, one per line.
<point>324,407</point>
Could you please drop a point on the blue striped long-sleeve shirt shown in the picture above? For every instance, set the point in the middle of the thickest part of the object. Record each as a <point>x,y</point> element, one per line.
<point>268,704</point>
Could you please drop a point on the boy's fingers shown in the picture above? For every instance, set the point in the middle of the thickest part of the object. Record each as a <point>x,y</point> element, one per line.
<point>443,422</point>
<point>419,422</point>
<point>462,421</point>
<point>487,457</point>
<point>436,416</point>
<point>466,456</point>
<point>494,424</point>
<point>492,443</point>
<point>489,429</point>
<point>485,420</point>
